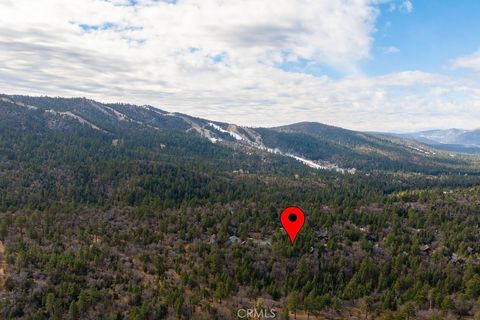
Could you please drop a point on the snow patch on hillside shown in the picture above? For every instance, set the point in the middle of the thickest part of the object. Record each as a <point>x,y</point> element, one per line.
<point>324,165</point>
<point>76,117</point>
<point>307,162</point>
<point>120,116</point>
<point>231,133</point>
<point>421,150</point>
<point>18,103</point>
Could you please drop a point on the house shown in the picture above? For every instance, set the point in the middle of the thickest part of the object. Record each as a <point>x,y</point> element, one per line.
<point>425,249</point>
<point>234,240</point>
<point>213,239</point>
<point>322,235</point>
<point>456,259</point>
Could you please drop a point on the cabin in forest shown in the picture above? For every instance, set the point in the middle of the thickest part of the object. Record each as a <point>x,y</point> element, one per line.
<point>425,249</point>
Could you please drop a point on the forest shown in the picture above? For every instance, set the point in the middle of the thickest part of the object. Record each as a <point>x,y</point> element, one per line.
<point>164,224</point>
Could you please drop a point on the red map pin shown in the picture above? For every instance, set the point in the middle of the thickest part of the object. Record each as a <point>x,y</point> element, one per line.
<point>292,220</point>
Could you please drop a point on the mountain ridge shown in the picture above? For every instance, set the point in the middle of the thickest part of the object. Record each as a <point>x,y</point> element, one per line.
<point>317,145</point>
<point>450,139</point>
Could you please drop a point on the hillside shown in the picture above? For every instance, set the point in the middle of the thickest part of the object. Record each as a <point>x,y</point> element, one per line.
<point>130,212</point>
<point>362,150</point>
<point>449,139</point>
<point>313,144</point>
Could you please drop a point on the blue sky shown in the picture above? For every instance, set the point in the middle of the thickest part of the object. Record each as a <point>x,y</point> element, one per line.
<point>381,65</point>
<point>428,38</point>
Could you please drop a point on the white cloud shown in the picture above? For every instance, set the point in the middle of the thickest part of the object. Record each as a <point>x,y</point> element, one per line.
<point>390,49</point>
<point>406,6</point>
<point>468,62</point>
<point>219,59</point>
<point>412,78</point>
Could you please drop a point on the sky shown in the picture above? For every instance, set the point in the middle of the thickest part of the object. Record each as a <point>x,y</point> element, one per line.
<point>372,65</point>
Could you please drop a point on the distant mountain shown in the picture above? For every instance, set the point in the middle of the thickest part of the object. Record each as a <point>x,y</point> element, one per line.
<point>183,138</point>
<point>349,148</point>
<point>450,139</point>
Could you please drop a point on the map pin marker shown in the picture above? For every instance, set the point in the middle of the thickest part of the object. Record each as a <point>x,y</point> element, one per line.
<point>292,219</point>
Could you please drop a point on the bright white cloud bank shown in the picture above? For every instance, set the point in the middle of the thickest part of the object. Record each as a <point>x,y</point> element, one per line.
<point>222,59</point>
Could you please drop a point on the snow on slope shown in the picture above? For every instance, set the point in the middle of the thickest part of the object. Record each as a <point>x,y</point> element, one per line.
<point>325,165</point>
<point>233,134</point>
<point>74,116</point>
<point>120,116</point>
<point>252,138</point>
<point>21,104</point>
